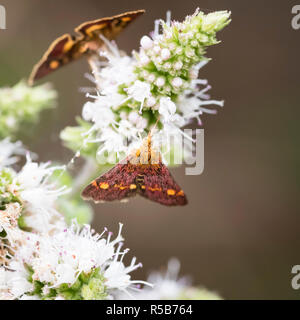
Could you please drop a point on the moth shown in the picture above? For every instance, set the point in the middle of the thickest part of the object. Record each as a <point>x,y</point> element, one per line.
<point>143,173</point>
<point>68,48</point>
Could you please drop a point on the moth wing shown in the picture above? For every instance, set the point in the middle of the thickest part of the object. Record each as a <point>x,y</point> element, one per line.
<point>159,186</point>
<point>58,54</point>
<point>109,27</point>
<point>66,49</point>
<point>117,184</point>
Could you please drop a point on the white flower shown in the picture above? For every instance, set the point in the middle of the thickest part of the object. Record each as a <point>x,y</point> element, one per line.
<point>13,284</point>
<point>34,175</point>
<point>98,112</point>
<point>116,276</point>
<point>168,286</point>
<point>9,152</point>
<point>139,91</point>
<point>9,220</point>
<point>112,141</point>
<point>39,195</point>
<point>118,71</point>
<point>167,108</point>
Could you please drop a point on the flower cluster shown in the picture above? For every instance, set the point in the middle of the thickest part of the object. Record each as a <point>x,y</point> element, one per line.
<point>158,85</point>
<point>40,256</point>
<point>22,104</point>
<point>27,196</point>
<point>167,286</point>
<point>75,264</point>
<point>169,61</point>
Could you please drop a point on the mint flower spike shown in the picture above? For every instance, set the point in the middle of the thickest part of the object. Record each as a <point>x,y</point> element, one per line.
<point>171,57</point>
<point>22,104</point>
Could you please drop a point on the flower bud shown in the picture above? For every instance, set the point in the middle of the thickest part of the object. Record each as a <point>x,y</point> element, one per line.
<point>194,43</point>
<point>179,50</point>
<point>160,81</point>
<point>178,65</point>
<point>146,43</point>
<point>165,54</point>
<point>151,102</point>
<point>133,117</point>
<point>151,77</point>
<point>177,82</point>
<point>167,65</point>
<point>156,49</point>
<point>144,59</point>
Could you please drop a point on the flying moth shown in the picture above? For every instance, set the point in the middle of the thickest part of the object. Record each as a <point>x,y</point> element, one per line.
<point>143,173</point>
<point>87,42</point>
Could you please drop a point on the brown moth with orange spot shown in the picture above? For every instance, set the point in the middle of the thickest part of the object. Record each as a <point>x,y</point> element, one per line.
<point>143,173</point>
<point>69,48</point>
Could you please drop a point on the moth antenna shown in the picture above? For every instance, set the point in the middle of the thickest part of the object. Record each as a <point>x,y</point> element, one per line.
<point>151,132</point>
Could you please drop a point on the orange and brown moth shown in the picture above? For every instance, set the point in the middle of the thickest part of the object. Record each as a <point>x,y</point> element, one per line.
<point>68,48</point>
<point>143,173</point>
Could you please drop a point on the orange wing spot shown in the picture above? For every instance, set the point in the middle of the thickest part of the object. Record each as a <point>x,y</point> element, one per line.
<point>68,45</point>
<point>132,186</point>
<point>94,183</point>
<point>95,27</point>
<point>104,185</point>
<point>125,19</point>
<point>154,189</point>
<point>171,192</point>
<point>120,186</point>
<point>54,64</point>
<point>180,193</point>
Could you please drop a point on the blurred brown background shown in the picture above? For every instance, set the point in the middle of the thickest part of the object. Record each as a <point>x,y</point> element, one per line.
<point>239,234</point>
